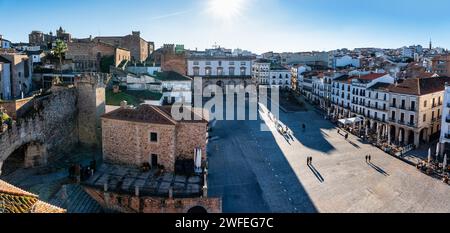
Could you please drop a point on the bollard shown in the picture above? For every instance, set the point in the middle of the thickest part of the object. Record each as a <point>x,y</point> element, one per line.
<point>136,191</point>
<point>170,193</point>
<point>205,191</point>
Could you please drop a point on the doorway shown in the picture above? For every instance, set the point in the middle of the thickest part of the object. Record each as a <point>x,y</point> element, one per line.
<point>154,161</point>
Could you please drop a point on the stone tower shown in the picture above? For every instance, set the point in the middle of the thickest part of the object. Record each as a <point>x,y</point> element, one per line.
<point>91,106</point>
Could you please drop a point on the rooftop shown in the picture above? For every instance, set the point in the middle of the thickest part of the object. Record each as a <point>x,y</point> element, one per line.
<point>171,76</point>
<point>124,180</point>
<point>147,114</point>
<point>419,86</point>
<point>380,87</point>
<point>369,77</point>
<point>16,200</point>
<point>344,79</point>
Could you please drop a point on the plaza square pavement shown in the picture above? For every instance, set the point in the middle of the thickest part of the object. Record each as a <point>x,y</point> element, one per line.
<point>262,171</point>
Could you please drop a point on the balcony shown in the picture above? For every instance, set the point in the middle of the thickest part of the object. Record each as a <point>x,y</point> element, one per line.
<point>393,105</point>
<point>411,124</point>
<point>392,120</point>
<point>402,107</point>
<point>401,122</point>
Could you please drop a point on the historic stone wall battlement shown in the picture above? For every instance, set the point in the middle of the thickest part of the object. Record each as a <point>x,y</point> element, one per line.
<point>58,121</point>
<point>50,122</point>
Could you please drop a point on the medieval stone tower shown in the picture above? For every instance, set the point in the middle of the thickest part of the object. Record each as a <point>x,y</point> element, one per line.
<point>91,106</point>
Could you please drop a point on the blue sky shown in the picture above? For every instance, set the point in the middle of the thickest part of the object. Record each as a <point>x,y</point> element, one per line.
<point>257,25</point>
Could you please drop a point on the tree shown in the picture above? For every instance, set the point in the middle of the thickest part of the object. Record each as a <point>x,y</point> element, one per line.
<point>59,50</point>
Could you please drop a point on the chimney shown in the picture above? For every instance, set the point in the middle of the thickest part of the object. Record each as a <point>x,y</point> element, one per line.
<point>136,33</point>
<point>124,104</point>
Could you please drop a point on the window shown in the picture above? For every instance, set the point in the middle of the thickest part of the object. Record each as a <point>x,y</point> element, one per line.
<point>231,71</point>
<point>220,71</point>
<point>153,137</point>
<point>196,71</point>
<point>208,71</point>
<point>425,104</point>
<point>243,71</point>
<point>196,63</point>
<point>424,117</point>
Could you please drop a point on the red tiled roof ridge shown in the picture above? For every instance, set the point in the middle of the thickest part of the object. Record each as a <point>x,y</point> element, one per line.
<point>13,190</point>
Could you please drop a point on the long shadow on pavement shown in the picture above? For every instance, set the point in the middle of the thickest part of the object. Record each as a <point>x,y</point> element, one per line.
<point>250,172</point>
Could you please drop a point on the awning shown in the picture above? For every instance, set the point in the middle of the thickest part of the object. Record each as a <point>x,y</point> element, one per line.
<point>350,121</point>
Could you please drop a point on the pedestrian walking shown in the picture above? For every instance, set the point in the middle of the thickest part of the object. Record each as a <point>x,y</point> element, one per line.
<point>367,158</point>
<point>370,158</point>
<point>310,160</point>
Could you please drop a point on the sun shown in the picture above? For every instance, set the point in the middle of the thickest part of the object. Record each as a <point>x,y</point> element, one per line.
<point>225,9</point>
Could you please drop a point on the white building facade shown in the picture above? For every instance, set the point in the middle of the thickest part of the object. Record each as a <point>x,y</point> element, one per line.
<point>276,76</point>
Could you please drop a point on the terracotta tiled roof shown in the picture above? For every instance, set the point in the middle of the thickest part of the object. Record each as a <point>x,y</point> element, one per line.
<point>381,86</point>
<point>370,77</point>
<point>168,111</point>
<point>344,79</point>
<point>146,114</point>
<point>419,86</point>
<point>16,200</point>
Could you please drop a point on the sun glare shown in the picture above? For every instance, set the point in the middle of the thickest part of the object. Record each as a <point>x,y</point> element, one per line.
<point>225,9</point>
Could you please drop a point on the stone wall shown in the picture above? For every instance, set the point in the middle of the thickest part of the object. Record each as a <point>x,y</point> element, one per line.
<point>174,62</point>
<point>91,105</point>
<point>190,136</point>
<point>128,143</point>
<point>50,125</point>
<point>139,48</point>
<point>134,204</point>
<point>13,106</point>
<point>86,56</point>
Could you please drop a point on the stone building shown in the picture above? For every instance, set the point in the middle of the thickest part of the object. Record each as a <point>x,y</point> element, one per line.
<point>55,122</point>
<point>149,134</point>
<point>15,73</point>
<point>441,65</point>
<point>92,56</point>
<point>61,34</point>
<point>171,60</point>
<point>138,47</point>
